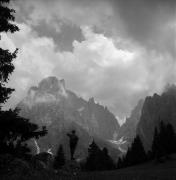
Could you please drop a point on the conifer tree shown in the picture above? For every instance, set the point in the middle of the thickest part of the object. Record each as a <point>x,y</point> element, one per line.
<point>94,157</point>
<point>119,163</point>
<point>137,151</point>
<point>135,154</point>
<point>98,159</point>
<point>107,161</point>
<point>6,57</point>
<point>156,147</point>
<point>170,139</point>
<point>60,158</point>
<point>164,141</point>
<point>15,131</point>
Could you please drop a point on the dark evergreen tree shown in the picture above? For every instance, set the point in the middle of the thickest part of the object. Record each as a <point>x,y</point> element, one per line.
<point>98,159</point>
<point>7,18</point>
<point>14,130</point>
<point>170,139</point>
<point>156,146</point>
<point>6,57</point>
<point>59,160</point>
<point>107,161</point>
<point>138,154</point>
<point>94,157</point>
<point>149,155</point>
<point>127,161</point>
<point>119,163</point>
<point>135,154</point>
<point>164,141</point>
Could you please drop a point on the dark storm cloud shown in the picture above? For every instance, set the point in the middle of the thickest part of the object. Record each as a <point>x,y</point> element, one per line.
<point>63,35</point>
<point>149,22</point>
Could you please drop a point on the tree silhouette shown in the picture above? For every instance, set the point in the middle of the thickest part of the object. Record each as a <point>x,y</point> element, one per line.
<point>119,163</point>
<point>98,159</point>
<point>157,149</point>
<point>135,154</point>
<point>15,131</point>
<point>164,141</point>
<point>60,158</point>
<point>93,159</point>
<point>107,161</point>
<point>6,57</point>
<point>6,18</point>
<point>171,139</point>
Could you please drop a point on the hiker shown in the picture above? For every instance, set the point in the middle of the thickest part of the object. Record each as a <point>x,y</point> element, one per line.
<point>73,142</point>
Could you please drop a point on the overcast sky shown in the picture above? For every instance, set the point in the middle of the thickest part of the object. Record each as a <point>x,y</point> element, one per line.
<point>117,51</point>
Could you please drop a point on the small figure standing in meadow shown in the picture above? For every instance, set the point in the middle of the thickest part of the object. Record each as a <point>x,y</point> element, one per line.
<point>73,142</point>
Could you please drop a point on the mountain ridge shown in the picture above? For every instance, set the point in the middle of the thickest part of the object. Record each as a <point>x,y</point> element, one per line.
<point>60,110</point>
<point>157,108</point>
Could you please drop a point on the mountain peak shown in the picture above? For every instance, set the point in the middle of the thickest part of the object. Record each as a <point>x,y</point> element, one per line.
<point>91,100</point>
<point>46,105</point>
<point>51,85</point>
<point>49,89</point>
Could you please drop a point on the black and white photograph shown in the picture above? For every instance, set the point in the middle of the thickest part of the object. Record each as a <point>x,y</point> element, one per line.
<point>87,89</point>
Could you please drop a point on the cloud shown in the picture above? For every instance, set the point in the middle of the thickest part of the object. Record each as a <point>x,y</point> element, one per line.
<point>126,51</point>
<point>149,23</point>
<point>32,63</point>
<point>115,76</point>
<point>74,11</point>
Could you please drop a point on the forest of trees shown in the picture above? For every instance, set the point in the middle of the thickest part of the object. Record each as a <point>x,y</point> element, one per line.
<point>164,144</point>
<point>164,141</point>
<point>135,154</point>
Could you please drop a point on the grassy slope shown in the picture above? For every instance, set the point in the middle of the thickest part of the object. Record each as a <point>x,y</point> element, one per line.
<point>151,170</point>
<point>147,171</point>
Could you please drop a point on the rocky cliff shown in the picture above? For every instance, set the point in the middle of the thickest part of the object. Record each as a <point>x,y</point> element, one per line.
<point>127,131</point>
<point>50,104</point>
<point>157,108</point>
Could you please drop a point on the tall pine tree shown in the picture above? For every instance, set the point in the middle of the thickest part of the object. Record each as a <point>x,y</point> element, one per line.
<point>14,130</point>
<point>98,159</point>
<point>59,160</point>
<point>156,147</point>
<point>135,154</point>
<point>107,161</point>
<point>6,57</point>
<point>164,141</point>
<point>93,161</point>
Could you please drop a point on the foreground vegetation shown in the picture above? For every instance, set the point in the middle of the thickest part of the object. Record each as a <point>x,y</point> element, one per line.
<point>147,171</point>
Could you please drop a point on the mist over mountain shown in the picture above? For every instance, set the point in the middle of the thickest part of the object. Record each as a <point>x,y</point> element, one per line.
<point>50,104</point>
<point>127,131</point>
<point>157,108</point>
<point>60,110</point>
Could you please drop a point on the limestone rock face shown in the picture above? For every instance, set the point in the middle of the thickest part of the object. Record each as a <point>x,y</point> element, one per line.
<point>155,109</point>
<point>50,104</point>
<point>127,131</point>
